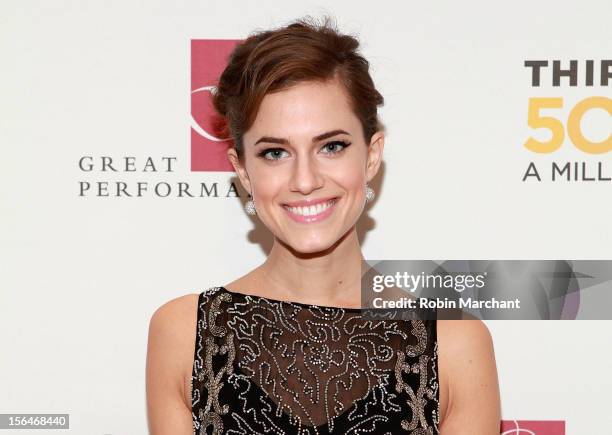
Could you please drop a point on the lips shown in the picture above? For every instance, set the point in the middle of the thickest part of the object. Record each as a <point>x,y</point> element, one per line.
<point>309,202</point>
<point>314,211</point>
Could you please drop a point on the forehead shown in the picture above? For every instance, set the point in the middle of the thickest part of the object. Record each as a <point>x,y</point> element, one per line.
<point>306,109</point>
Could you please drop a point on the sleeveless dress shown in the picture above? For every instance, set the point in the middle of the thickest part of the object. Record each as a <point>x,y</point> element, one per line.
<point>265,366</point>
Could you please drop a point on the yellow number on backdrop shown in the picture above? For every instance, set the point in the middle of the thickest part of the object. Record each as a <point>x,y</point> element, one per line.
<point>553,124</point>
<point>573,125</point>
<point>574,131</point>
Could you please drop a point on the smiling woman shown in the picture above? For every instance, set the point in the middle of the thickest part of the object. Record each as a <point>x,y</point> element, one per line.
<point>284,349</point>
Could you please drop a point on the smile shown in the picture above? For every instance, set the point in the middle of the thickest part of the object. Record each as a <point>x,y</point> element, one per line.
<point>312,213</point>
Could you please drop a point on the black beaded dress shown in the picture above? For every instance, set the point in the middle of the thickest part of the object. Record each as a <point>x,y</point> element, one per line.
<point>265,366</point>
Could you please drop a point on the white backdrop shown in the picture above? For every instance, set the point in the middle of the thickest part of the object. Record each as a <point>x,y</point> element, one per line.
<point>80,276</point>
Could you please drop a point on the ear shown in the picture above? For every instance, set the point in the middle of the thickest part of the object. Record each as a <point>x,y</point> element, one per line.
<point>375,152</point>
<point>232,155</point>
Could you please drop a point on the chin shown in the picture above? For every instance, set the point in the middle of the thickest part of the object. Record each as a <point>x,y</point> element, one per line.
<point>312,246</point>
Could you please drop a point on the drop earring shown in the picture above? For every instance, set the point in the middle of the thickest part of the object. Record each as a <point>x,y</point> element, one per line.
<point>249,206</point>
<point>369,193</point>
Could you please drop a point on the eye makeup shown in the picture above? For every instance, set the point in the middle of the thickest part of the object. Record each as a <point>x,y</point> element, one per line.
<point>344,144</point>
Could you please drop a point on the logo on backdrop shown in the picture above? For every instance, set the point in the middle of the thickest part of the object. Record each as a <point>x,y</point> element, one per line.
<point>208,146</point>
<point>580,120</point>
<point>136,176</point>
<point>530,427</point>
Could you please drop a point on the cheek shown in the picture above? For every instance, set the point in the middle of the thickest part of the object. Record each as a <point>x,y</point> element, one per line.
<point>351,174</point>
<point>269,185</point>
<point>352,181</point>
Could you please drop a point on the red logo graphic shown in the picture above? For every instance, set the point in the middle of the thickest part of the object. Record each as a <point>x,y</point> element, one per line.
<point>208,149</point>
<point>532,427</point>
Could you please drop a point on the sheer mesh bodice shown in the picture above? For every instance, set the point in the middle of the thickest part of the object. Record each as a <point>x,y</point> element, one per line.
<point>264,366</point>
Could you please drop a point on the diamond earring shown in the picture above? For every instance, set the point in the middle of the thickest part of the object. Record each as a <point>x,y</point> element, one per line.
<point>369,193</point>
<point>249,206</point>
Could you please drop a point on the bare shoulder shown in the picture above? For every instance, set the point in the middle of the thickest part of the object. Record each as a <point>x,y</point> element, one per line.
<point>176,310</point>
<point>172,335</point>
<point>174,322</point>
<point>469,394</point>
<point>457,335</point>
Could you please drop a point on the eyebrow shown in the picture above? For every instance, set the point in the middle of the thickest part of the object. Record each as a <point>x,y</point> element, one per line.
<point>284,141</point>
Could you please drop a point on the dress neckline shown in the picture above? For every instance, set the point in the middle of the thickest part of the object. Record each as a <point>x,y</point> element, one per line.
<point>277,301</point>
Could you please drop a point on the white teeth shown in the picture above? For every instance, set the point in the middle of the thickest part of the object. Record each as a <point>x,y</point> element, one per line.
<point>311,210</point>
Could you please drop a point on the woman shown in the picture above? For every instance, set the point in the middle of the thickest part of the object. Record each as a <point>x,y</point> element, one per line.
<point>284,349</point>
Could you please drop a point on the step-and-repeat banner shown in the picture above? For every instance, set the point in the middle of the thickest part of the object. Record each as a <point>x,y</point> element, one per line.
<point>117,195</point>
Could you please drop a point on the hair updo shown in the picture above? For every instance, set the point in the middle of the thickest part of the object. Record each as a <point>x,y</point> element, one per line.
<point>273,60</point>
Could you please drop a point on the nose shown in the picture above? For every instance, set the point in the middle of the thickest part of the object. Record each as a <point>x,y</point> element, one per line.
<point>306,176</point>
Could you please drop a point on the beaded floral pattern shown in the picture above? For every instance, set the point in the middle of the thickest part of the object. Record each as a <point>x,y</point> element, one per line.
<point>264,366</point>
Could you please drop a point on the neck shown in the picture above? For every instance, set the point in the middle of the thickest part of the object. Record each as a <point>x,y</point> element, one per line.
<point>330,277</point>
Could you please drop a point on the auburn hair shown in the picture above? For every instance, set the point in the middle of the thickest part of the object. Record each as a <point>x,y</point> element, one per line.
<point>273,60</point>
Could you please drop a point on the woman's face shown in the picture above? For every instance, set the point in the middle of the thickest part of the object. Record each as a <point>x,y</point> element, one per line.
<point>306,165</point>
